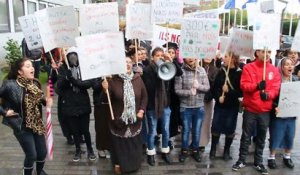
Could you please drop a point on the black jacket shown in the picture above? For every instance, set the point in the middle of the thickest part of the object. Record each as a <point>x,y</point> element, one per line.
<point>73,103</point>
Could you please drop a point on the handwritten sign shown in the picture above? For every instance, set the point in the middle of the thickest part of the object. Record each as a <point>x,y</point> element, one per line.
<point>266,31</point>
<point>58,27</point>
<point>161,35</point>
<point>289,100</point>
<point>138,21</point>
<point>31,31</point>
<point>164,11</point>
<point>199,37</point>
<point>99,18</point>
<point>204,14</point>
<point>101,54</point>
<point>241,42</point>
<point>296,40</point>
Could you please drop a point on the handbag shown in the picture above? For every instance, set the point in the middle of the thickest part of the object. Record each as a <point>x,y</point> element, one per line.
<point>14,122</point>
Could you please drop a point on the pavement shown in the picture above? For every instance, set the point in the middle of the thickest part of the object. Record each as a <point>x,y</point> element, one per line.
<point>12,156</point>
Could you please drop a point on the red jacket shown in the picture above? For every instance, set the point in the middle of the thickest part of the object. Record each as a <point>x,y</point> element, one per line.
<point>252,74</point>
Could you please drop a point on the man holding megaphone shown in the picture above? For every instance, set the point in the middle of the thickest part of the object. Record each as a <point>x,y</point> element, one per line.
<point>156,77</point>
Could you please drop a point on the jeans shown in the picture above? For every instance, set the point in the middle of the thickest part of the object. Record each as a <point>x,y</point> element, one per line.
<point>191,117</point>
<point>33,145</point>
<point>250,120</point>
<point>144,130</point>
<point>152,124</point>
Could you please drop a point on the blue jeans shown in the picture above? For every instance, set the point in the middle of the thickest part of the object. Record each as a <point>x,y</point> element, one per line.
<point>191,117</point>
<point>152,124</point>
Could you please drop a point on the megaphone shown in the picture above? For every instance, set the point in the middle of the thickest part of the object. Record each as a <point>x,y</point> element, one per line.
<point>166,70</point>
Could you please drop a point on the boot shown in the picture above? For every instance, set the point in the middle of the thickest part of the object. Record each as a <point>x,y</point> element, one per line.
<point>151,160</point>
<point>184,154</point>
<point>39,168</point>
<point>214,141</point>
<point>226,154</point>
<point>27,171</point>
<point>166,157</point>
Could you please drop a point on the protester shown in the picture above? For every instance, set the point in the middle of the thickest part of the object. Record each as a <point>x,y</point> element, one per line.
<point>102,116</point>
<point>282,130</point>
<point>34,55</point>
<point>226,92</point>
<point>259,94</point>
<point>294,56</point>
<point>75,102</point>
<point>158,106</point>
<point>129,101</point>
<point>23,97</point>
<point>191,87</point>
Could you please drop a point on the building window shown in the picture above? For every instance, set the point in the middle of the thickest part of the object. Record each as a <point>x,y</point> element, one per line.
<point>18,11</point>
<point>42,6</point>
<point>4,22</point>
<point>31,6</point>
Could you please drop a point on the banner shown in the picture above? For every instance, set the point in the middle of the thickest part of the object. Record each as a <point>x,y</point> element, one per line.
<point>164,11</point>
<point>31,31</point>
<point>138,21</point>
<point>199,37</point>
<point>99,18</point>
<point>161,35</point>
<point>289,100</point>
<point>101,55</point>
<point>296,40</point>
<point>266,31</point>
<point>241,42</point>
<point>58,27</point>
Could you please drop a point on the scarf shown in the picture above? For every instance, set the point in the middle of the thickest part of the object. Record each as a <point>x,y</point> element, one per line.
<point>75,75</point>
<point>161,99</point>
<point>129,112</point>
<point>32,99</point>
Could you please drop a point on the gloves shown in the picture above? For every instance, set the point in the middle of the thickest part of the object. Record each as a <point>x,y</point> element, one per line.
<point>261,85</point>
<point>264,96</point>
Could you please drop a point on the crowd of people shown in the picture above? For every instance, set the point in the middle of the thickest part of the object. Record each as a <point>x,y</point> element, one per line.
<point>133,111</point>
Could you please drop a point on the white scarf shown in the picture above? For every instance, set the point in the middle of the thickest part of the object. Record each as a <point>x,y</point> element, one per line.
<point>129,112</point>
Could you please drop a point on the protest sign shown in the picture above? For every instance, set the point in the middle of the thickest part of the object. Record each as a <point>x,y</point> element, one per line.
<point>296,40</point>
<point>138,21</point>
<point>241,42</point>
<point>166,11</point>
<point>252,10</point>
<point>224,40</point>
<point>289,100</point>
<point>99,18</point>
<point>266,31</point>
<point>58,27</point>
<point>162,35</point>
<point>199,37</point>
<point>214,13</point>
<point>31,31</point>
<point>101,54</point>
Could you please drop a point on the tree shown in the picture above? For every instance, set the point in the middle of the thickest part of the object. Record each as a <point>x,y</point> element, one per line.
<point>13,51</point>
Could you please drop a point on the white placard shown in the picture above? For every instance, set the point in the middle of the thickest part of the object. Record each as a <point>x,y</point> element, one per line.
<point>199,37</point>
<point>161,35</point>
<point>266,31</point>
<point>138,21</point>
<point>99,18</point>
<point>31,31</point>
<point>289,100</point>
<point>296,40</point>
<point>192,2</point>
<point>204,14</point>
<point>241,42</point>
<point>164,11</point>
<point>58,27</point>
<point>101,54</point>
<point>224,40</point>
<point>252,10</point>
<point>267,6</point>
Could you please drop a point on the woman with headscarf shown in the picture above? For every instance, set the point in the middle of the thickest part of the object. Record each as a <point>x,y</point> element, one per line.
<point>22,98</point>
<point>282,130</point>
<point>129,101</point>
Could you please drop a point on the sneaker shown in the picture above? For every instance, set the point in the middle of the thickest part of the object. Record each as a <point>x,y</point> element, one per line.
<point>91,155</point>
<point>196,155</point>
<point>261,168</point>
<point>107,154</point>
<point>288,162</point>
<point>184,154</point>
<point>101,154</point>
<point>272,164</point>
<point>77,156</point>
<point>238,165</point>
